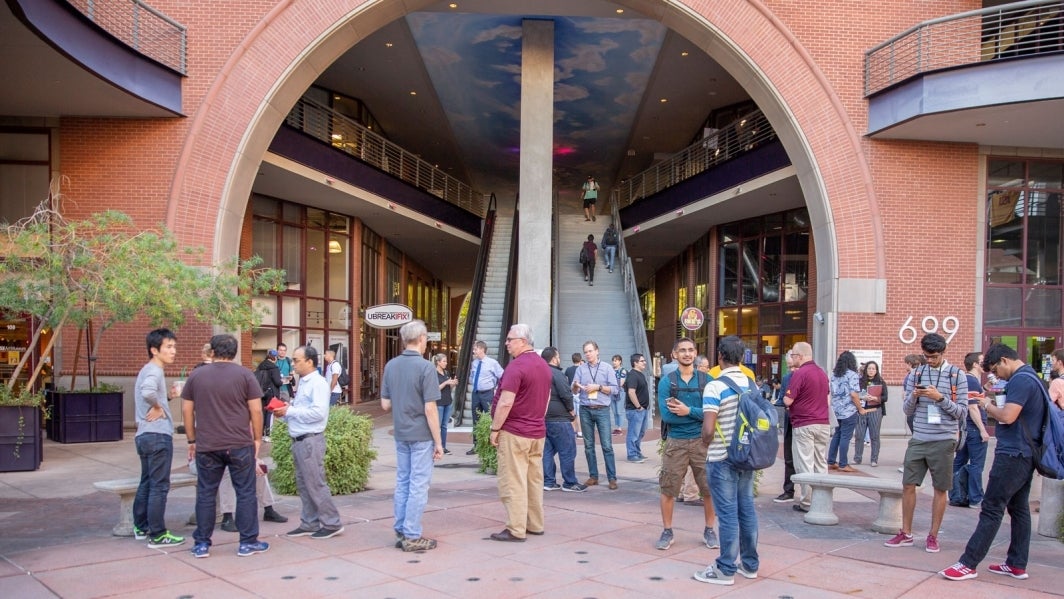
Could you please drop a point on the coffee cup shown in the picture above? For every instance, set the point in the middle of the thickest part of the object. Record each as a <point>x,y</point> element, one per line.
<point>999,399</point>
<point>176,388</point>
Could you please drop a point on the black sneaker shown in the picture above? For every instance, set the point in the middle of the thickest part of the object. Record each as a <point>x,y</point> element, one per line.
<point>574,488</point>
<point>446,451</point>
<point>554,487</point>
<point>784,498</point>
<point>327,533</point>
<point>471,452</point>
<point>300,532</point>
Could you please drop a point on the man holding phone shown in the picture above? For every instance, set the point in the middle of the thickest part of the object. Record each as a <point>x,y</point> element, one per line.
<point>938,401</point>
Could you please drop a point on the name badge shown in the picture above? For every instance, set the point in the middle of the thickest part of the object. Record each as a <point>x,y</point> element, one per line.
<point>934,415</point>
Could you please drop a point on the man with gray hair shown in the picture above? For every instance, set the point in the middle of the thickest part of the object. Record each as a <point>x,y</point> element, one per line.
<point>410,387</point>
<point>518,430</point>
<point>807,400</point>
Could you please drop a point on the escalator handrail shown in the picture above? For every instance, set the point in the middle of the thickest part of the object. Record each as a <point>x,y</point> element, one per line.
<point>511,286</point>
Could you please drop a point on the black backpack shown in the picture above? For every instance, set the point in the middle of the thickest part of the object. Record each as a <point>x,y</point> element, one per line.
<point>262,375</point>
<point>610,237</point>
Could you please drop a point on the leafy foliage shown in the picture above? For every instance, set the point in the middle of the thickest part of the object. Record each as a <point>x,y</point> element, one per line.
<point>348,453</point>
<point>486,453</point>
<point>107,269</point>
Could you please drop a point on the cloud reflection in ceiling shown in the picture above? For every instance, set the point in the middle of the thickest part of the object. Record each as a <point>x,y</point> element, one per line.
<point>601,69</point>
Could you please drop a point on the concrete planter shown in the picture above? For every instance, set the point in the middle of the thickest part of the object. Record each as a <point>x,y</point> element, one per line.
<point>1051,506</point>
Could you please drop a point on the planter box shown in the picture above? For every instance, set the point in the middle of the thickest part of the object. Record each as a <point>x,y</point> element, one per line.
<point>29,447</point>
<point>84,417</point>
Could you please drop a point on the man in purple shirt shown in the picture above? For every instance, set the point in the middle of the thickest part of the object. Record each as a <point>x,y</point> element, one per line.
<point>807,402</point>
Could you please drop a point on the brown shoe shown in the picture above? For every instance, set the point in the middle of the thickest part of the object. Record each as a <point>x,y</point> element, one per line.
<point>506,536</point>
<point>591,482</point>
<point>847,468</point>
<point>832,467</point>
<point>613,485</point>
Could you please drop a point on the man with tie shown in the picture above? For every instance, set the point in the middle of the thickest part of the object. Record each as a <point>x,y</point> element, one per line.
<point>484,375</point>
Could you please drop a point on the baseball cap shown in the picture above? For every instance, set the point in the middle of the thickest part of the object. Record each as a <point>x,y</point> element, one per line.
<point>272,353</point>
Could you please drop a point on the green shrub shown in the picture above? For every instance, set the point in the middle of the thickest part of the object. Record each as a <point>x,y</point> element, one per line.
<point>486,453</point>
<point>349,453</point>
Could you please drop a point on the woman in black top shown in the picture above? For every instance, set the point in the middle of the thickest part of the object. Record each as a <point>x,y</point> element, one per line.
<point>444,405</point>
<point>873,419</point>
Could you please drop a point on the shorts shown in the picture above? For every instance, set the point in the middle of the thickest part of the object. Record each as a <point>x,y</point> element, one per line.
<point>678,456</point>
<point>589,202</point>
<point>936,456</point>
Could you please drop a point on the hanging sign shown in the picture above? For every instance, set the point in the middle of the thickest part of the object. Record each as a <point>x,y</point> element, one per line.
<point>692,318</point>
<point>388,316</point>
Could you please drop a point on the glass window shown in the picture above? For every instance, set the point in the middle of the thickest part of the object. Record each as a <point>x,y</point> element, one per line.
<point>339,266</point>
<point>264,242</point>
<point>748,319</point>
<point>770,269</point>
<point>316,314</point>
<point>729,268</point>
<point>1005,173</point>
<point>795,318</point>
<point>1001,306</point>
<point>1046,175</point>
<point>751,276</point>
<point>728,322</point>
<point>1043,239</point>
<point>315,256</point>
<point>1042,307</point>
<point>292,249</point>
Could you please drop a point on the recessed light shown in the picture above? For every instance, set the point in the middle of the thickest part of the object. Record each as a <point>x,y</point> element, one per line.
<point>620,11</point>
<point>388,44</point>
<point>684,53</point>
<point>452,5</point>
<point>413,93</point>
<point>664,100</point>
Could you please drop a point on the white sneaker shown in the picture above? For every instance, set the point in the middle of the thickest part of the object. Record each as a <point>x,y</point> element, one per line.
<point>713,576</point>
<point>740,570</point>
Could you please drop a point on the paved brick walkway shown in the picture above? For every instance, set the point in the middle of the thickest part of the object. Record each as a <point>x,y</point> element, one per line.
<point>55,542</point>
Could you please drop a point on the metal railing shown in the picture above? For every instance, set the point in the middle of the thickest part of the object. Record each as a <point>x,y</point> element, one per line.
<point>346,134</point>
<point>140,27</point>
<point>1019,29</point>
<point>734,139</point>
<point>635,307</point>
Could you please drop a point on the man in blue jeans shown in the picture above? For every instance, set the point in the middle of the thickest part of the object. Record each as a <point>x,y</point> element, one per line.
<point>732,489</point>
<point>409,390</point>
<point>968,465</point>
<point>1009,486</point>
<point>636,404</point>
<point>222,405</point>
<point>155,442</point>
<point>596,385</point>
<point>561,438</point>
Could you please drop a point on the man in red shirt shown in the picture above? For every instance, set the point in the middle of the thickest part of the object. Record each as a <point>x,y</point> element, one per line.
<point>807,402</point>
<point>518,430</point>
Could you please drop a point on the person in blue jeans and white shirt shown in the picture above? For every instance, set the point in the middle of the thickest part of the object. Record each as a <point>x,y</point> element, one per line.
<point>732,489</point>
<point>596,385</point>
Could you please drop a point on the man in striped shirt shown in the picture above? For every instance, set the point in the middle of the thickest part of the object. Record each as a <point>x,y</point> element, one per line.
<point>732,489</point>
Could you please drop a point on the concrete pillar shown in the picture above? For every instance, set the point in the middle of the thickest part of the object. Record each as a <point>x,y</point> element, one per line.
<point>535,190</point>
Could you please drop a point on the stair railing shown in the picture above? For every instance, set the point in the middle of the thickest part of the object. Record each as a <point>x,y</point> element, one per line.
<point>635,306</point>
<point>508,300</point>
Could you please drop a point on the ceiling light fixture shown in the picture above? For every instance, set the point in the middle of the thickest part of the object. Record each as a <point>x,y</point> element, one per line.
<point>452,5</point>
<point>684,53</point>
<point>413,93</point>
<point>664,100</point>
<point>388,44</point>
<point>620,11</point>
<point>335,248</point>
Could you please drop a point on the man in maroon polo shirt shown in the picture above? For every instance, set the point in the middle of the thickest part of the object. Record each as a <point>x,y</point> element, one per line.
<point>518,430</point>
<point>807,402</point>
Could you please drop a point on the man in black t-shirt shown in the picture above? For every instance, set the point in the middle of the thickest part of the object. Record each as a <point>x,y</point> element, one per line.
<point>636,402</point>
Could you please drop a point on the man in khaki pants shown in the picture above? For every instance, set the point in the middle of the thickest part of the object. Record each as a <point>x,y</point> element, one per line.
<point>518,430</point>
<point>807,401</point>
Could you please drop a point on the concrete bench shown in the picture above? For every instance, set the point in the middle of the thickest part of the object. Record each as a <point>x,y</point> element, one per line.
<point>821,509</point>
<point>126,489</point>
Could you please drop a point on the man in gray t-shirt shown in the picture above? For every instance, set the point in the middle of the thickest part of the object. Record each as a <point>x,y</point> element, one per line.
<point>410,391</point>
<point>155,442</point>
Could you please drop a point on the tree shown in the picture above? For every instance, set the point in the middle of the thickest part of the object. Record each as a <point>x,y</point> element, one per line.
<point>106,270</point>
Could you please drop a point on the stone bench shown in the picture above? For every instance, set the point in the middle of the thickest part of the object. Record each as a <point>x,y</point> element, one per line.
<point>821,509</point>
<point>126,489</point>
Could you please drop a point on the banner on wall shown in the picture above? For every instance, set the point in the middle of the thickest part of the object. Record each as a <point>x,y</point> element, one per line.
<point>388,316</point>
<point>692,318</point>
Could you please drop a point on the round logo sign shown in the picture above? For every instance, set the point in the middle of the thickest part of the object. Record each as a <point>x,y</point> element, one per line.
<point>692,318</point>
<point>388,316</point>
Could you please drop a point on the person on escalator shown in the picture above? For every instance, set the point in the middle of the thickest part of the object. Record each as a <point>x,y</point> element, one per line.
<point>587,259</point>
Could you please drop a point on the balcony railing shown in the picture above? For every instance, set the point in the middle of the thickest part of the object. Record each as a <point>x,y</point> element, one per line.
<point>343,133</point>
<point>140,27</point>
<point>734,139</point>
<point>1019,29</point>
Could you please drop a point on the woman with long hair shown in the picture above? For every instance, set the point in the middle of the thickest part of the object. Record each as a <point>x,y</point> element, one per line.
<point>872,419</point>
<point>444,405</point>
<point>846,403</point>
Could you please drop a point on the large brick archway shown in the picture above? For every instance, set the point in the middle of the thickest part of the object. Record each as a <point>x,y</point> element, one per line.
<point>294,43</point>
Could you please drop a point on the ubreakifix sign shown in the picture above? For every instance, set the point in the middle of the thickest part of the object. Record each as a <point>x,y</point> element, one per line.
<point>388,316</point>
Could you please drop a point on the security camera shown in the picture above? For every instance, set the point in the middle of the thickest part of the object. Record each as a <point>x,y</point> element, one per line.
<point>818,317</point>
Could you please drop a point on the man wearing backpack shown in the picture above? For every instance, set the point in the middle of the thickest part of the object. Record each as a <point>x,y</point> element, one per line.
<point>732,488</point>
<point>680,405</point>
<point>610,240</point>
<point>1009,486</point>
<point>269,377</point>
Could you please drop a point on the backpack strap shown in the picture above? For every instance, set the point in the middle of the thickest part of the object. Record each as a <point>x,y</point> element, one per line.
<point>738,413</point>
<point>1046,412</point>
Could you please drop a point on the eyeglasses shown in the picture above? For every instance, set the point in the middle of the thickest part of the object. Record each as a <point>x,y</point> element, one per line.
<point>509,339</point>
